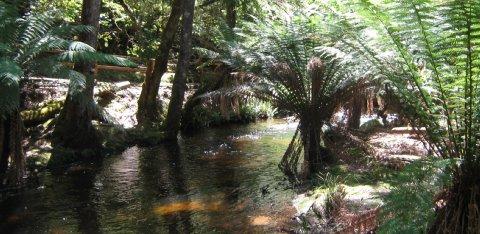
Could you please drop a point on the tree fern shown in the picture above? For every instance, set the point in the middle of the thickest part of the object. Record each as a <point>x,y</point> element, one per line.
<point>29,45</point>
<point>434,46</point>
<point>301,73</point>
<point>10,75</point>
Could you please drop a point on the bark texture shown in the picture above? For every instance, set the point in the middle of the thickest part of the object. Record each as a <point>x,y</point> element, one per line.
<point>355,112</point>
<point>12,160</point>
<point>315,154</point>
<point>461,214</point>
<point>148,108</point>
<point>179,84</point>
<point>74,127</point>
<point>231,16</point>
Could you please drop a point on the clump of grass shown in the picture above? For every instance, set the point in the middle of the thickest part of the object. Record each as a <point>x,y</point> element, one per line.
<point>328,215</point>
<point>335,202</point>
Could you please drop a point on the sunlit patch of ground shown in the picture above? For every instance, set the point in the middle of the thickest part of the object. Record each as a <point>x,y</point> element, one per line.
<point>119,99</point>
<point>358,198</point>
<point>365,178</point>
<point>397,143</point>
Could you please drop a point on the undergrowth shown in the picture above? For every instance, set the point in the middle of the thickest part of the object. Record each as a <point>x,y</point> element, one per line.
<point>410,206</point>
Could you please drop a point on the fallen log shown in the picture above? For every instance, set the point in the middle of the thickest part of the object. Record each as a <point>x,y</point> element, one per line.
<point>42,114</point>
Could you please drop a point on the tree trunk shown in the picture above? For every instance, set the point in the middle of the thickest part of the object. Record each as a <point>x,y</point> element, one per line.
<point>179,84</point>
<point>314,153</point>
<point>74,127</point>
<point>25,7</point>
<point>355,112</point>
<point>461,214</point>
<point>231,16</point>
<point>11,151</point>
<point>148,108</point>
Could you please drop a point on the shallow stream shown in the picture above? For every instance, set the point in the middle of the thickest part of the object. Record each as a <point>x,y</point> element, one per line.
<point>219,181</point>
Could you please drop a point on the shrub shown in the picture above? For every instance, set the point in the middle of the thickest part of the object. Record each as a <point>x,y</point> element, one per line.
<point>410,206</point>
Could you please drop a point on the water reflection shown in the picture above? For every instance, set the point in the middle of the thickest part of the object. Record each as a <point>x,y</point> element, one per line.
<point>164,176</point>
<point>86,210</point>
<point>222,180</point>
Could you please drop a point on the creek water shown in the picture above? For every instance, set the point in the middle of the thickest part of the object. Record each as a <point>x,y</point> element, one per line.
<point>222,180</point>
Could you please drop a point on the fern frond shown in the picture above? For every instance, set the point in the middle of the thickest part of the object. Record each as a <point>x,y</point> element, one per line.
<point>10,75</point>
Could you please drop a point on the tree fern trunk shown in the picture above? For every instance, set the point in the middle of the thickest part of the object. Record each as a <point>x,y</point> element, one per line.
<point>462,211</point>
<point>231,16</point>
<point>12,160</point>
<point>355,112</point>
<point>314,152</point>
<point>179,85</point>
<point>148,108</point>
<point>74,127</point>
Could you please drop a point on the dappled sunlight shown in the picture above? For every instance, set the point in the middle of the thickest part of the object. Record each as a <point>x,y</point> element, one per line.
<point>188,206</point>
<point>260,220</point>
<point>358,197</point>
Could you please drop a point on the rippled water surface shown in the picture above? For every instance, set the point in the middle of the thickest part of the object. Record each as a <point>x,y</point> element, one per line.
<point>221,180</point>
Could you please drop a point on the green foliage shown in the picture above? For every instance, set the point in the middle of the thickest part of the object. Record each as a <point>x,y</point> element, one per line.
<point>207,116</point>
<point>116,76</point>
<point>427,51</point>
<point>29,46</point>
<point>301,74</point>
<point>10,74</point>
<point>410,207</point>
<point>259,109</point>
<point>69,10</point>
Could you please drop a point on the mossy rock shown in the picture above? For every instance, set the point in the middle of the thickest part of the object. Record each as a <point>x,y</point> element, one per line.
<point>62,158</point>
<point>39,161</point>
<point>40,115</point>
<point>371,125</point>
<point>115,138</point>
<point>146,137</point>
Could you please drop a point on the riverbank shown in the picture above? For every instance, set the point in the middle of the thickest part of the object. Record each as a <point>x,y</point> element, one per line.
<point>117,101</point>
<point>388,152</point>
<point>348,197</point>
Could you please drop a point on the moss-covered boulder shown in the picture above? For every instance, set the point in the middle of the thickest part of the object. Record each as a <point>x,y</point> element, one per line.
<point>371,125</point>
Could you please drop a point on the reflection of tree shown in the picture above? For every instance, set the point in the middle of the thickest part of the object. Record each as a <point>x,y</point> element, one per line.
<point>38,211</point>
<point>85,208</point>
<point>162,174</point>
<point>220,176</point>
<point>10,212</point>
<point>177,177</point>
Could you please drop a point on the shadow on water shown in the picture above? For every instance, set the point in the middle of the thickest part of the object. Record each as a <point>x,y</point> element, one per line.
<point>164,177</point>
<point>221,180</point>
<point>86,212</point>
<point>31,211</point>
